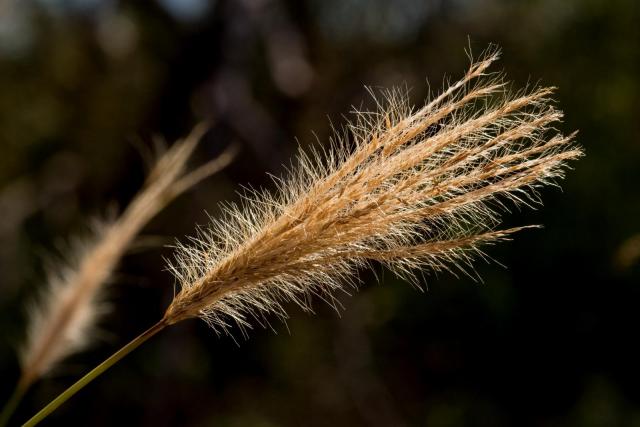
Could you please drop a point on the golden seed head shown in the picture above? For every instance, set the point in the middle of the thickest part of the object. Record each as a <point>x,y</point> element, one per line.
<point>422,189</point>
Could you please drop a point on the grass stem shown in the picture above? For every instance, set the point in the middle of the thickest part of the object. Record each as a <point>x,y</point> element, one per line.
<point>95,372</point>
<point>12,404</point>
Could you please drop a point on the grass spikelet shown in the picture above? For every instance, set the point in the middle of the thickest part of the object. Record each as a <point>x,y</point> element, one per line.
<point>422,190</point>
<point>63,319</point>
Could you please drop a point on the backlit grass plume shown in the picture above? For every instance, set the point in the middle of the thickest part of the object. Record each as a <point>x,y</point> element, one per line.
<point>63,319</point>
<point>421,189</point>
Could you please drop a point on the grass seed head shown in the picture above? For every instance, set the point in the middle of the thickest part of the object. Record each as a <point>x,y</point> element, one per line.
<point>423,189</point>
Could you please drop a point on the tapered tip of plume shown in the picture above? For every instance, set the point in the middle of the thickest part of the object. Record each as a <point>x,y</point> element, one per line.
<point>416,189</point>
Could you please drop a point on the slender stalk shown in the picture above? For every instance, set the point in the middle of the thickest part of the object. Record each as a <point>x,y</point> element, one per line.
<point>95,372</point>
<point>13,402</point>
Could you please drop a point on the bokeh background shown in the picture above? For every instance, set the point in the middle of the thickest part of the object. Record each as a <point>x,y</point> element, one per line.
<point>548,340</point>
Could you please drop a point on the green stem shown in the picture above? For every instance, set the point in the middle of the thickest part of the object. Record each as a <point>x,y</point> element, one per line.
<point>95,372</point>
<point>12,403</point>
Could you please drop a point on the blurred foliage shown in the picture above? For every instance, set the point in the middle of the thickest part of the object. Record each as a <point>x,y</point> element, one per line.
<point>548,341</point>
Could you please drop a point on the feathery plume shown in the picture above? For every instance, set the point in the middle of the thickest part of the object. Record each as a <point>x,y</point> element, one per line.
<point>62,321</point>
<point>422,189</point>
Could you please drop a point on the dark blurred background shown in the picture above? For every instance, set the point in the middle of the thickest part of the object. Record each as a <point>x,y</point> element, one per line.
<point>550,340</point>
